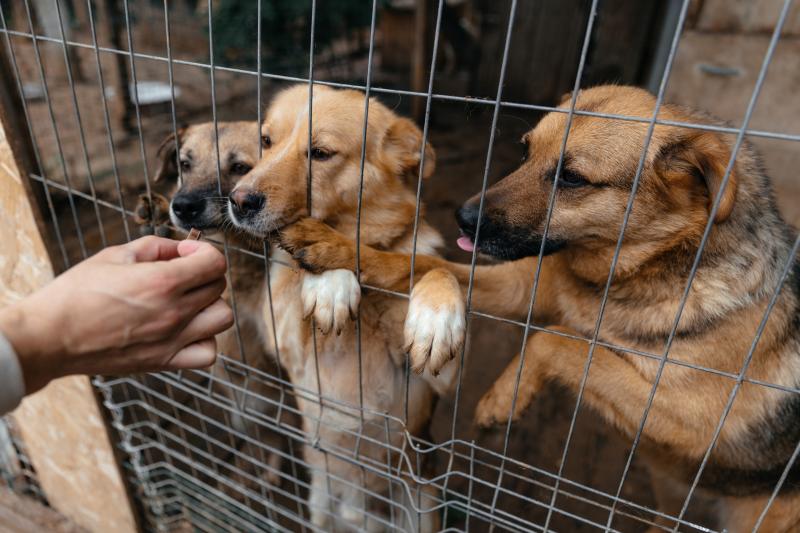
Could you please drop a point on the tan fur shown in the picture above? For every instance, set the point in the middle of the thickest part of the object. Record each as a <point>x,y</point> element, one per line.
<point>682,174</point>
<point>238,143</point>
<point>387,218</point>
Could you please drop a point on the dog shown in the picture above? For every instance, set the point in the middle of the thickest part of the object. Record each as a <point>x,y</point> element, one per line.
<point>359,387</point>
<point>739,271</point>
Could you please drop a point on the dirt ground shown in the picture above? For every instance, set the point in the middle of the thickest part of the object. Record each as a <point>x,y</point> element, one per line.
<point>460,134</point>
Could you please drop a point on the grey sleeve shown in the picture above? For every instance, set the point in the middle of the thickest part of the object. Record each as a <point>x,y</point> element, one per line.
<point>12,386</point>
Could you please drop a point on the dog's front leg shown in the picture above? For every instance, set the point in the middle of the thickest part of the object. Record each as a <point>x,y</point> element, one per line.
<point>435,324</point>
<point>152,215</point>
<point>614,387</point>
<point>332,297</point>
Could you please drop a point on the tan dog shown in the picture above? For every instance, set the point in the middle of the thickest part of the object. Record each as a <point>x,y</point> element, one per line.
<point>748,247</point>
<point>275,194</point>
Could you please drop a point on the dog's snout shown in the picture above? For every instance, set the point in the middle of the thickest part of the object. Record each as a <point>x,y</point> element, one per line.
<point>467,217</point>
<point>188,207</point>
<point>247,202</point>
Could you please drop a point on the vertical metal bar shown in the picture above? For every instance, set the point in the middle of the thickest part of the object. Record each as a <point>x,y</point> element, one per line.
<point>173,108</point>
<point>107,119</point>
<point>778,487</point>
<point>232,290</point>
<point>37,53</point>
<point>551,206</point>
<point>81,134</point>
<point>473,262</point>
<point>359,206</point>
<point>37,156</point>
<point>268,280</point>
<point>422,151</point>
<point>634,188</point>
<point>693,272</point>
<point>135,94</point>
<point>740,379</point>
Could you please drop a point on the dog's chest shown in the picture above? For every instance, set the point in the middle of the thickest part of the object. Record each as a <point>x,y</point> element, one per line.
<point>306,354</point>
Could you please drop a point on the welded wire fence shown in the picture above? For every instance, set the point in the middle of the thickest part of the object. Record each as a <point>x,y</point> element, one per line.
<point>227,449</point>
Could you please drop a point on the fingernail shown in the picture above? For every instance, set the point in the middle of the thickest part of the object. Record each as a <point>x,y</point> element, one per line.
<point>188,247</point>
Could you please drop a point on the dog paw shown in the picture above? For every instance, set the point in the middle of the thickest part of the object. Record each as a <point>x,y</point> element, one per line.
<point>435,324</point>
<point>332,297</point>
<point>317,247</point>
<point>495,406</point>
<point>152,217</point>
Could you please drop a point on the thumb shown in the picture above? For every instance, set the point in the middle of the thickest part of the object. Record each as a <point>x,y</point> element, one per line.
<point>188,247</point>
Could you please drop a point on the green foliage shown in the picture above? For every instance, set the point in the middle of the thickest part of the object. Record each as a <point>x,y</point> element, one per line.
<point>285,27</point>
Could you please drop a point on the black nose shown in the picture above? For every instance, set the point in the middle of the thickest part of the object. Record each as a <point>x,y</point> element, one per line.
<point>247,202</point>
<point>188,207</point>
<point>467,217</point>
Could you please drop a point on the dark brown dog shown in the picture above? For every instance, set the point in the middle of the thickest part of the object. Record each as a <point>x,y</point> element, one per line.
<point>748,247</point>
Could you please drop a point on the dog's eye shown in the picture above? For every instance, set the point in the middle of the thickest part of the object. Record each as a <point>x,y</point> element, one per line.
<point>319,154</point>
<point>240,169</point>
<point>266,142</point>
<point>185,165</point>
<point>525,149</point>
<point>571,178</point>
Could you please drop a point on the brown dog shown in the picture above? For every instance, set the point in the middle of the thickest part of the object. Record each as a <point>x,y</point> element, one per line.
<point>748,247</point>
<point>358,368</point>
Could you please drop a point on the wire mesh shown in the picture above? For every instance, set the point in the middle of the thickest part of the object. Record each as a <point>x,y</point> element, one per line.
<point>226,449</point>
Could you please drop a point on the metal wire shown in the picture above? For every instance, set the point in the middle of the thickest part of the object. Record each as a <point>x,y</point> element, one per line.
<point>190,461</point>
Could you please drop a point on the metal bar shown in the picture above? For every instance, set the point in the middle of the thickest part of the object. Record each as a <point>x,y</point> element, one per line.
<point>135,95</point>
<point>37,53</point>
<point>618,247</point>
<point>610,346</point>
<point>81,134</point>
<point>359,208</point>
<point>435,96</point>
<point>173,108</point>
<point>714,208</point>
<point>484,185</point>
<point>422,152</point>
<point>33,143</point>
<point>748,359</point>
<point>107,120</point>
<point>550,207</point>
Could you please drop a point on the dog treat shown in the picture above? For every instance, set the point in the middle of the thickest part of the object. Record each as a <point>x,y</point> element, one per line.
<point>194,235</point>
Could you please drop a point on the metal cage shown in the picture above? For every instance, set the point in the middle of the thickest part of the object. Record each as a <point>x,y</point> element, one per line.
<point>187,454</point>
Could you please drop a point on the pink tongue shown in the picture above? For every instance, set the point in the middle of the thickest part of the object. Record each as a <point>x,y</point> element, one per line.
<point>465,243</point>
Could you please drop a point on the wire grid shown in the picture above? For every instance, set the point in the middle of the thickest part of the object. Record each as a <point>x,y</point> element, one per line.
<point>223,453</point>
<point>16,470</point>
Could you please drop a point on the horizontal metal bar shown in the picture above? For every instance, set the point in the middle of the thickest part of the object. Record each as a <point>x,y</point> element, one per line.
<point>436,96</point>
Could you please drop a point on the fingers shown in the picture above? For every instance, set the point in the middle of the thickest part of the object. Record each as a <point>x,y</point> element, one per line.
<point>199,263</point>
<point>201,297</point>
<point>149,249</point>
<point>200,354</point>
<point>211,321</point>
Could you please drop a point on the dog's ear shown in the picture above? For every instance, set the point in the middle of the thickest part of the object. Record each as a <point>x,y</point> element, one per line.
<point>401,147</point>
<point>705,155</point>
<point>167,157</point>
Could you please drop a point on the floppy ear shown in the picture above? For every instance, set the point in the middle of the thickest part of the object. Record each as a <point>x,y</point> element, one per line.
<point>167,157</point>
<point>401,148</point>
<point>705,155</point>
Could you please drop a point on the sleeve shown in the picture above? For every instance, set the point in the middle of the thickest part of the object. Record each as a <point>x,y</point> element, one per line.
<point>12,386</point>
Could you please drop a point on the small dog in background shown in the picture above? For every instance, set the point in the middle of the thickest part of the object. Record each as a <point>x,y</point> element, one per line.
<point>740,269</point>
<point>273,195</point>
<point>197,203</point>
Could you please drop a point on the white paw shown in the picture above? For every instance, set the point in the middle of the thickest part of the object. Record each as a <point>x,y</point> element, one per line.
<point>436,322</point>
<point>332,297</point>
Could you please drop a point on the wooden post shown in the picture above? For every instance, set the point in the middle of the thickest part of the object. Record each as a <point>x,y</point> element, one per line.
<point>63,426</point>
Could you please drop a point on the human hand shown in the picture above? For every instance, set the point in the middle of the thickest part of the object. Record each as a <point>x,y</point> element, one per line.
<point>152,304</point>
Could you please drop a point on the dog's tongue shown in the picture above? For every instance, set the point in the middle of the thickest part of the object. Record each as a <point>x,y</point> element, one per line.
<point>465,243</point>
